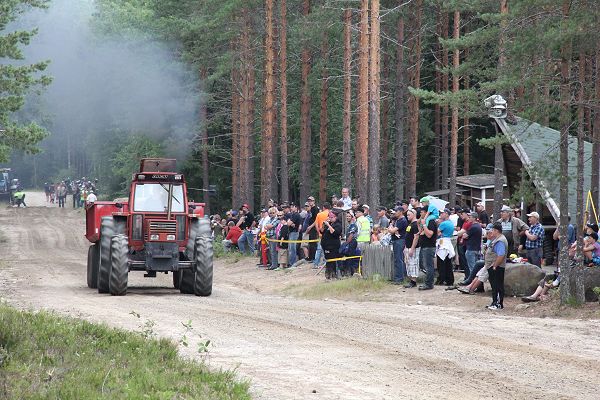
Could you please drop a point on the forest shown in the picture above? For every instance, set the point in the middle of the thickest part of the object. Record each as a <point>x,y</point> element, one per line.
<point>280,99</point>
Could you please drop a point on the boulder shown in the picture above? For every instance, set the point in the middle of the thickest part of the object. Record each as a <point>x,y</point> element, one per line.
<point>591,280</point>
<point>522,279</point>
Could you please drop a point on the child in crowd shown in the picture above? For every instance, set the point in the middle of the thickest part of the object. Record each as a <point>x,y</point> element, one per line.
<point>432,211</point>
<point>375,234</point>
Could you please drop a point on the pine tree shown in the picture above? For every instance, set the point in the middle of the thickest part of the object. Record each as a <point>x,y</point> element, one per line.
<point>17,80</point>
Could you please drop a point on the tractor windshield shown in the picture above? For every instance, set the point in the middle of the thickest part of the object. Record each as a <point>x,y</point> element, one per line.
<point>154,197</point>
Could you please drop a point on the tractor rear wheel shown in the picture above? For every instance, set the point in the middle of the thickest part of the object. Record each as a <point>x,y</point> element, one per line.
<point>92,266</point>
<point>203,258</point>
<point>119,255</point>
<point>109,227</point>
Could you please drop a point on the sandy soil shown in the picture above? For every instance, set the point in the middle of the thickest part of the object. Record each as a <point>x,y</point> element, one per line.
<point>404,345</point>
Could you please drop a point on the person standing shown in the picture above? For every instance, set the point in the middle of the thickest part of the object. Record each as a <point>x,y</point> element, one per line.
<point>483,215</point>
<point>445,249</point>
<point>61,193</point>
<point>427,242</point>
<point>331,232</point>
<point>346,198</point>
<point>321,217</point>
<point>294,224</point>
<point>512,228</point>
<point>412,250</point>
<point>382,220</point>
<point>472,238</point>
<point>246,224</point>
<point>311,230</point>
<point>398,234</point>
<point>535,240</point>
<point>495,261</point>
<point>363,236</point>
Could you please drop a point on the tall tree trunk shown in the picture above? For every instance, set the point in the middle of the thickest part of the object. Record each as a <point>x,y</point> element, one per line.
<point>374,108</point>
<point>235,139</point>
<point>579,292</point>
<point>269,109</point>
<point>400,100</point>
<point>245,114</point>
<point>324,121</point>
<point>411,179</point>
<point>250,131</point>
<point>498,156</point>
<point>285,180</point>
<point>362,134</point>
<point>454,132</point>
<point>444,118</point>
<point>204,142</point>
<point>347,140</point>
<point>385,133</point>
<point>305,134</point>
<point>466,132</point>
<point>437,113</point>
<point>596,134</point>
<point>567,288</point>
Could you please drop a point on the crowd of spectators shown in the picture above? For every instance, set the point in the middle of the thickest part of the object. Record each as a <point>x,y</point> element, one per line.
<point>439,242</point>
<point>82,192</point>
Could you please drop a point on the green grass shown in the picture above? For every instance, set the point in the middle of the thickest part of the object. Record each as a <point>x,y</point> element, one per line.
<point>343,288</point>
<point>44,356</point>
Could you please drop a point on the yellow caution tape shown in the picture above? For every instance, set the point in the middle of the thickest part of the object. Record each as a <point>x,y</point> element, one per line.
<point>342,258</point>
<point>293,241</point>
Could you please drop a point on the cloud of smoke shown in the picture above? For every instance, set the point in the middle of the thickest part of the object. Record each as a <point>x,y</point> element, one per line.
<point>102,84</point>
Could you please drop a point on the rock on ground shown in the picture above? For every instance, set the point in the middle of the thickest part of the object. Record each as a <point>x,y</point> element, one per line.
<point>522,279</point>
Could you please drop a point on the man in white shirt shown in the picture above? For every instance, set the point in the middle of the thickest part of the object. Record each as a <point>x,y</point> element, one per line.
<point>91,198</point>
<point>346,198</point>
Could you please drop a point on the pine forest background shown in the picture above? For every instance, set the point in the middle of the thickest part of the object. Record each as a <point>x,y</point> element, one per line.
<point>289,98</point>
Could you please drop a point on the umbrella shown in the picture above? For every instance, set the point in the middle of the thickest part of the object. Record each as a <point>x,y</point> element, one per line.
<point>437,202</point>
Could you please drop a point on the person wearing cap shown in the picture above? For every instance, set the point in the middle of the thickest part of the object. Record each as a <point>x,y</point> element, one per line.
<point>398,235</point>
<point>432,211</point>
<point>331,231</point>
<point>444,249</point>
<point>591,228</point>
<point>294,224</point>
<point>483,215</point>
<point>472,240</point>
<point>246,224</point>
<point>495,262</point>
<point>591,247</point>
<point>427,242</point>
<point>535,240</point>
<point>411,248</point>
<point>512,228</point>
<point>363,236</point>
<point>382,220</point>
<point>312,231</point>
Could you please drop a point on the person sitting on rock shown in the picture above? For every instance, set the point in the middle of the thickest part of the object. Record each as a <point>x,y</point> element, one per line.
<point>591,247</point>
<point>542,290</point>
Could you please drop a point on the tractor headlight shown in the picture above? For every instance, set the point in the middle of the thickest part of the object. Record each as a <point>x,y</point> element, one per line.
<point>170,237</point>
<point>154,237</point>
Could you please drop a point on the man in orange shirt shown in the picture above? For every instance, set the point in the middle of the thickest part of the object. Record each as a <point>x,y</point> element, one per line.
<point>321,217</point>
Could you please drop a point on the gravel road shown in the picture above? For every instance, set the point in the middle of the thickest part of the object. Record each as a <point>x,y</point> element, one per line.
<point>408,346</point>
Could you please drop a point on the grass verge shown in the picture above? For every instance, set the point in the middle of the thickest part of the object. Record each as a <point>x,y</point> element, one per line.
<point>349,288</point>
<point>43,355</point>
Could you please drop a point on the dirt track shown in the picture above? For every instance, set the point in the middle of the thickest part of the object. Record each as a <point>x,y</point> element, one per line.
<point>291,347</point>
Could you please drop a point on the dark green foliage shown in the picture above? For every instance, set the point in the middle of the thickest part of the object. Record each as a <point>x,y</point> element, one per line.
<point>16,80</point>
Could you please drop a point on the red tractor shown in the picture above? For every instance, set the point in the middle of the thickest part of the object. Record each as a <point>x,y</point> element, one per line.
<point>156,230</point>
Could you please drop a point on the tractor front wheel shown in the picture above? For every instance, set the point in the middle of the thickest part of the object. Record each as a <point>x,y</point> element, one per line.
<point>92,266</point>
<point>119,269</point>
<point>109,227</point>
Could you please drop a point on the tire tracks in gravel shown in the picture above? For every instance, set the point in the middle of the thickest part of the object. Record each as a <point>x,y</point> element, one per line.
<point>290,347</point>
